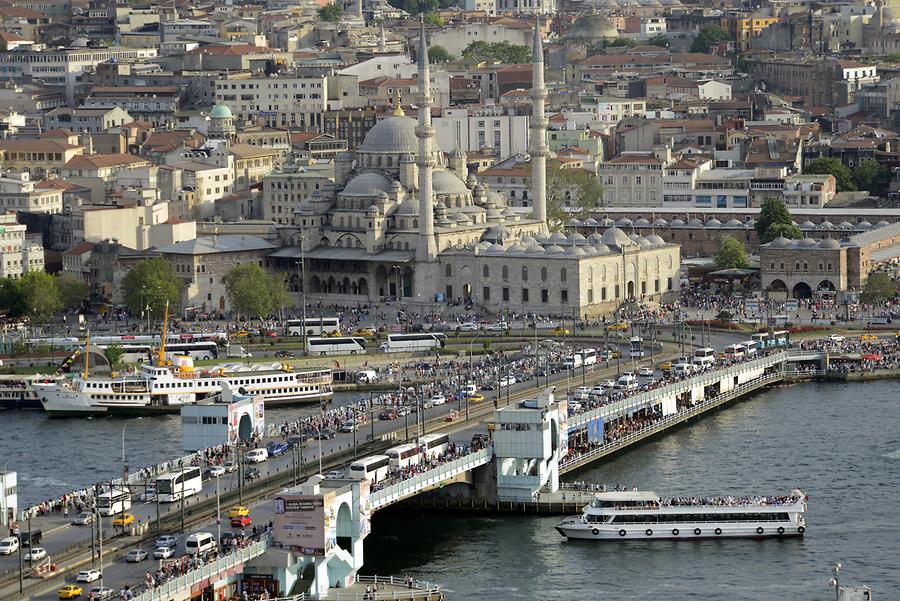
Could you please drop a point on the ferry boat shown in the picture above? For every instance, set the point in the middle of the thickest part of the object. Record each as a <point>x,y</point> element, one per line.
<point>18,392</point>
<point>644,515</point>
<point>164,389</point>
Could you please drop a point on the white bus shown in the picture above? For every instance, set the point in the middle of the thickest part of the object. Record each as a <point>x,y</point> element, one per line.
<point>374,468</point>
<point>404,456</point>
<point>170,487</point>
<point>341,345</point>
<point>114,501</point>
<point>705,356</point>
<point>135,353</point>
<point>199,351</point>
<point>410,343</point>
<point>750,347</point>
<point>315,326</point>
<point>637,348</point>
<point>434,445</point>
<point>572,361</point>
<point>588,356</point>
<point>734,351</point>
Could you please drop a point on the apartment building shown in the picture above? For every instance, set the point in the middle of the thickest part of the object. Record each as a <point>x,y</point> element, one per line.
<point>87,120</point>
<point>278,101</point>
<point>475,129</point>
<point>155,105</point>
<point>18,255</point>
<point>635,179</point>
<point>39,158</point>
<point>18,193</point>
<point>820,81</point>
<point>284,191</point>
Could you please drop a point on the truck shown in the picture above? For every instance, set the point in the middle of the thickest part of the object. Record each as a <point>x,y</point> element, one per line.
<point>236,351</point>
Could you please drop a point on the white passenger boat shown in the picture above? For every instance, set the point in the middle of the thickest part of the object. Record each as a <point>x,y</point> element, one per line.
<point>18,392</point>
<point>644,515</point>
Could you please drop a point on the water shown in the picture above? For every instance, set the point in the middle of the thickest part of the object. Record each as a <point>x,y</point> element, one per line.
<point>837,442</point>
<point>833,441</point>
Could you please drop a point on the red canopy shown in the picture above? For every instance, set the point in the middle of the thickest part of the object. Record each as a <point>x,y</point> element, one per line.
<point>871,357</point>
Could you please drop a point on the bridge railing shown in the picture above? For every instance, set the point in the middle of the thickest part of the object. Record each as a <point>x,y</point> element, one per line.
<point>642,399</point>
<point>414,589</point>
<point>400,490</point>
<point>671,419</point>
<point>209,571</point>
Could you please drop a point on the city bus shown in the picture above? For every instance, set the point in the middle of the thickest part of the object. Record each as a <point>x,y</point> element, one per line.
<point>342,345</point>
<point>199,351</point>
<point>588,356</point>
<point>780,339</point>
<point>749,347</point>
<point>134,353</point>
<point>172,486</point>
<point>734,351</point>
<point>374,468</point>
<point>761,340</point>
<point>410,343</point>
<point>113,501</point>
<point>637,348</point>
<point>315,326</point>
<point>404,456</point>
<point>434,445</point>
<point>704,356</point>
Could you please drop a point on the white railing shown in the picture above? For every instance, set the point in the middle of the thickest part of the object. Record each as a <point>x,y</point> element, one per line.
<point>416,589</point>
<point>671,419</point>
<point>400,490</point>
<point>211,570</point>
<point>642,399</point>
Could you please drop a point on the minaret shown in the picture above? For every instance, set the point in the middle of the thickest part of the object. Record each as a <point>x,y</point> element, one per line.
<point>537,148</point>
<point>359,10</point>
<point>426,249</point>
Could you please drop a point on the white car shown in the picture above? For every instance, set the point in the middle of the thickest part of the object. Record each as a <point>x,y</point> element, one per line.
<point>836,338</point>
<point>468,327</point>
<point>607,384</point>
<point>438,399</point>
<point>335,475</point>
<point>9,545</point>
<point>88,576</point>
<point>216,470</point>
<point>646,372</point>
<point>36,554</point>
<point>163,552</point>
<point>598,390</point>
<point>102,592</point>
<point>582,392</point>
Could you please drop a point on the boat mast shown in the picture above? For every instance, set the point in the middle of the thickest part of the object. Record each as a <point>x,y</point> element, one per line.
<point>161,358</point>
<point>87,353</point>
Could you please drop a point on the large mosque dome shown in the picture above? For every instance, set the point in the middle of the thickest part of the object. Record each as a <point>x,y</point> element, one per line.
<point>396,135</point>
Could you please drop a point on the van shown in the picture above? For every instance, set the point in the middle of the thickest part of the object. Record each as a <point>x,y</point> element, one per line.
<point>201,542</point>
<point>683,369</point>
<point>9,545</point>
<point>469,389</point>
<point>627,382</point>
<point>366,376</point>
<point>572,361</point>
<point>256,456</point>
<point>296,440</point>
<point>33,538</point>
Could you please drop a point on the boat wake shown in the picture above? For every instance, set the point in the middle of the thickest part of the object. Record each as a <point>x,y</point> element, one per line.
<point>892,455</point>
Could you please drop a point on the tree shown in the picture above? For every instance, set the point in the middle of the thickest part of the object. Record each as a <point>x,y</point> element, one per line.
<point>872,176</point>
<point>113,354</point>
<point>12,302</point>
<point>771,213</point>
<point>439,54</point>
<point>331,12</point>
<point>279,293</point>
<point>731,255</point>
<point>879,288</point>
<point>248,290</point>
<point>72,291</point>
<point>433,18</point>
<point>659,40</point>
<point>621,42</point>
<point>152,282</point>
<point>826,166</point>
<point>707,37</point>
<point>570,189</point>
<point>41,296</point>
<point>502,52</point>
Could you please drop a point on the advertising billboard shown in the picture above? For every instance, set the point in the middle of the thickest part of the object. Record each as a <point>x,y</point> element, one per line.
<point>305,523</point>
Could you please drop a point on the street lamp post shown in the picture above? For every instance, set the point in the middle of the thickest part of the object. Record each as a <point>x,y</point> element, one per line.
<point>124,478</point>
<point>218,512</point>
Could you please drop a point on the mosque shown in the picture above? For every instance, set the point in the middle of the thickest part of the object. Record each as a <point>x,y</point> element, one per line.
<point>404,220</point>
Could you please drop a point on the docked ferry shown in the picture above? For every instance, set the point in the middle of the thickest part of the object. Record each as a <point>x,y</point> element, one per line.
<point>164,389</point>
<point>644,515</point>
<point>18,392</point>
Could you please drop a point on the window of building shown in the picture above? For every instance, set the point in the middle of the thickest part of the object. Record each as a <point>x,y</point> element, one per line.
<point>617,291</point>
<point>590,295</point>
<point>486,293</point>
<point>545,295</point>
<point>564,296</point>
<point>448,271</point>
<point>524,273</point>
<point>524,295</point>
<point>505,274</point>
<point>506,294</point>
<point>449,291</point>
<point>486,271</point>
<point>603,293</point>
<point>543,274</point>
<point>563,275</point>
<point>670,283</point>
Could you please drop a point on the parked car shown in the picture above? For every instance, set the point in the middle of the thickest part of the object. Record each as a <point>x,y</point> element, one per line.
<point>349,426</point>
<point>163,552</point>
<point>229,466</point>
<point>467,327</point>
<point>85,518</point>
<point>252,474</point>
<point>136,555</point>
<point>88,575</point>
<point>276,448</point>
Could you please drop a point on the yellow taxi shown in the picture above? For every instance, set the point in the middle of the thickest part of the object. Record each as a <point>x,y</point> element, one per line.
<point>69,591</point>
<point>335,334</point>
<point>617,327</point>
<point>665,365</point>
<point>365,332</point>
<point>560,331</point>
<point>238,511</point>
<point>123,520</point>
<point>476,398</point>
<point>240,334</point>
<point>868,338</point>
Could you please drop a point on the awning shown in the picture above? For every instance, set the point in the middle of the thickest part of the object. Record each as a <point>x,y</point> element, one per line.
<point>345,254</point>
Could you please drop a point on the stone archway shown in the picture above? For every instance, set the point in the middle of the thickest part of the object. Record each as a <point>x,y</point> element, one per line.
<point>629,290</point>
<point>801,290</point>
<point>381,281</point>
<point>778,285</point>
<point>826,285</point>
<point>363,287</point>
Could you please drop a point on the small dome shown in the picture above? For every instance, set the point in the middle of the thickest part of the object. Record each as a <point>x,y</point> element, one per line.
<point>750,223</point>
<point>864,225</point>
<point>595,239</point>
<point>590,221</point>
<point>221,111</point>
<point>677,223</point>
<point>574,222</point>
<point>882,224</point>
<point>555,249</point>
<point>367,184</point>
<point>577,237</point>
<point>392,135</point>
<point>807,243</point>
<point>845,225</point>
<point>655,239</point>
<point>713,223</point>
<point>601,249</point>
<point>495,249</point>
<point>641,222</point>
<point>807,225</point>
<point>444,182</point>
<point>515,248</point>
<point>734,223</point>
<point>616,237</point>
<point>695,223</point>
<point>829,244</point>
<point>607,222</point>
<point>575,251</point>
<point>660,223</point>
<point>457,153</point>
<point>781,242</point>
<point>534,249</point>
<point>558,237</point>
<point>623,222</point>
<point>528,240</point>
<point>590,251</point>
<point>826,225</point>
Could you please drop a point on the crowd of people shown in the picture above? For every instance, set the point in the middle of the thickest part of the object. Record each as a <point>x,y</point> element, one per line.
<point>730,501</point>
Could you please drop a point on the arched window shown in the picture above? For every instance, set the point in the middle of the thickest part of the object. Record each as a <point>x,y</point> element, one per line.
<point>562,274</point>
<point>415,224</point>
<point>505,273</point>
<point>543,274</point>
<point>486,271</point>
<point>448,270</point>
<point>524,273</point>
<point>604,272</point>
<point>590,274</point>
